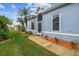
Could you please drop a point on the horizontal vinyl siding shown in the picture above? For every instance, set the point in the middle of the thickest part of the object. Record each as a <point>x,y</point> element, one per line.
<point>69,22</point>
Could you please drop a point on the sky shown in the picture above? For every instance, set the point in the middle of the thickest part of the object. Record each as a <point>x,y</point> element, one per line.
<point>10,9</point>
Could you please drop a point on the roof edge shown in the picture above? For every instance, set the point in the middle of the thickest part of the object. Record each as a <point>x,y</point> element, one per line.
<point>52,8</point>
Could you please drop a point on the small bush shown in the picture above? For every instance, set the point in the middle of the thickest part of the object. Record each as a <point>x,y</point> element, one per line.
<point>12,34</point>
<point>29,32</point>
<point>3,34</point>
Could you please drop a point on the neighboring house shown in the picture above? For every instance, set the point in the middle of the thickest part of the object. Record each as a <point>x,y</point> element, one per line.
<point>60,21</point>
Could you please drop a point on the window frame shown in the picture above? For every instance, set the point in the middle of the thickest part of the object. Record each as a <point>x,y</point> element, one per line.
<point>59,22</point>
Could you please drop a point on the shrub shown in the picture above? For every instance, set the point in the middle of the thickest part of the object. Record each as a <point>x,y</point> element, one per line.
<point>12,34</point>
<point>29,32</point>
<point>3,34</point>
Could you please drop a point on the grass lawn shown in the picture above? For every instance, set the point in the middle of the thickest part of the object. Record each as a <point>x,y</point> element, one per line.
<point>20,45</point>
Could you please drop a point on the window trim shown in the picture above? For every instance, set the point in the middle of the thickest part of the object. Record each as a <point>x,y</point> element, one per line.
<point>59,23</point>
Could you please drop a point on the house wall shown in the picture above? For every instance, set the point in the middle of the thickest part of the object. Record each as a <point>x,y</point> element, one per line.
<point>35,25</point>
<point>69,22</point>
<point>28,25</point>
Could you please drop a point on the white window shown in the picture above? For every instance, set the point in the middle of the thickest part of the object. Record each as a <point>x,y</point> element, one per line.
<point>32,25</point>
<point>56,22</point>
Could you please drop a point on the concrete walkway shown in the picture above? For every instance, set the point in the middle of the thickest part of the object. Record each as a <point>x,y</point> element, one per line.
<point>55,48</point>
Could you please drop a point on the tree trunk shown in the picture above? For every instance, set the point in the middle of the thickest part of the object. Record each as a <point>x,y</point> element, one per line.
<point>26,21</point>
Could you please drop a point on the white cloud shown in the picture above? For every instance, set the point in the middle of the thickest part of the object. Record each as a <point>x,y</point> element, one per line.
<point>33,5</point>
<point>1,7</point>
<point>28,5</point>
<point>44,5</point>
<point>36,5</point>
<point>33,9</point>
<point>13,7</point>
<point>8,14</point>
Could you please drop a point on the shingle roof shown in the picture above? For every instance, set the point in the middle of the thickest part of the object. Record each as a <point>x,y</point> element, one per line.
<point>53,8</point>
<point>58,5</point>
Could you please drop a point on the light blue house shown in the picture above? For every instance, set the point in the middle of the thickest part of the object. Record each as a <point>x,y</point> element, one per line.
<point>60,21</point>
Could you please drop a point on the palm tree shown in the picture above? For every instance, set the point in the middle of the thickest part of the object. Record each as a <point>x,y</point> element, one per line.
<point>23,13</point>
<point>22,24</point>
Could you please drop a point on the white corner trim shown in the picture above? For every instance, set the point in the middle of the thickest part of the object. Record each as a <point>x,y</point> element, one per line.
<point>60,33</point>
<point>60,16</point>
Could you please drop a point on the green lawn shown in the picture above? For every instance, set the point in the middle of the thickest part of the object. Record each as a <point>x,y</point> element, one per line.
<point>20,45</point>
